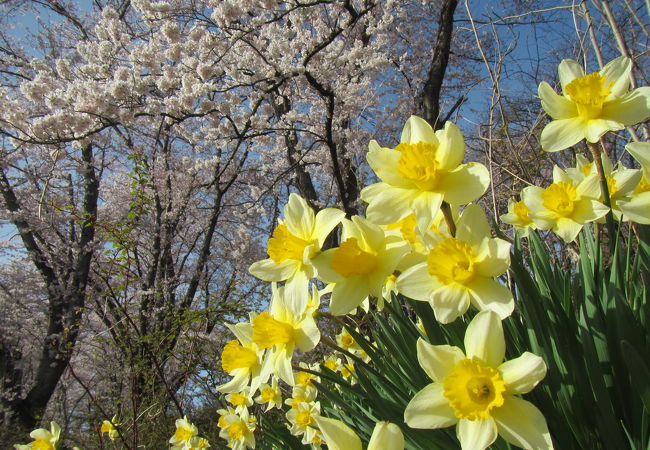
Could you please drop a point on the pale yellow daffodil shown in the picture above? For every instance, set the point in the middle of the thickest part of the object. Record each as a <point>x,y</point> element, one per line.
<point>295,242</point>
<point>460,270</point>
<point>280,330</point>
<point>43,439</point>
<point>110,427</point>
<point>518,217</point>
<point>339,436</point>
<point>303,420</point>
<point>359,267</point>
<point>238,430</point>
<point>270,395</point>
<point>424,170</point>
<point>564,207</point>
<point>478,392</point>
<point>185,431</point>
<point>637,207</point>
<point>242,359</point>
<point>591,105</point>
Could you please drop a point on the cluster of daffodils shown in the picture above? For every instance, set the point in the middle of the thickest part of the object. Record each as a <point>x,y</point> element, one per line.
<point>422,238</point>
<point>186,437</point>
<point>590,106</point>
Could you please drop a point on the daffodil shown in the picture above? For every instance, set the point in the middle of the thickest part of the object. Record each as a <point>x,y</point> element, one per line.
<point>339,436</point>
<point>240,400</point>
<point>637,207</point>
<point>238,430</point>
<point>301,394</point>
<point>424,170</point>
<point>360,265</point>
<point>43,439</point>
<point>241,358</point>
<point>460,270</point>
<point>109,426</point>
<point>564,207</point>
<point>270,395</point>
<point>518,217</point>
<point>280,331</point>
<point>197,443</point>
<point>295,242</point>
<point>303,420</point>
<point>591,105</point>
<point>185,431</point>
<point>478,392</point>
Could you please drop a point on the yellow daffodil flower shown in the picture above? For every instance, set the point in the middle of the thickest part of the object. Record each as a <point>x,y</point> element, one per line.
<point>424,170</point>
<point>238,430</point>
<point>109,426</point>
<point>43,439</point>
<point>303,420</point>
<point>564,207</point>
<point>270,395</point>
<point>478,392</point>
<point>281,330</point>
<point>518,217</point>
<point>460,270</point>
<point>295,242</point>
<point>339,436</point>
<point>240,400</point>
<point>637,206</point>
<point>360,266</point>
<point>591,105</point>
<point>197,443</point>
<point>185,431</point>
<point>241,359</point>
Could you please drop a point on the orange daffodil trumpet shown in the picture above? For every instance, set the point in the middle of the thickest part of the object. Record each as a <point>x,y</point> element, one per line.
<point>295,242</point>
<point>591,105</point>
<point>460,270</point>
<point>478,392</point>
<point>424,170</point>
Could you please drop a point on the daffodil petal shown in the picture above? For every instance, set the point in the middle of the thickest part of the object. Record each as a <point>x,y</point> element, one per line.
<point>451,149</point>
<point>338,436</point>
<point>556,106</point>
<point>638,208</point>
<point>238,382</point>
<point>438,361</point>
<point>484,339</point>
<point>522,374</point>
<point>385,164</point>
<point>641,152</point>
<point>449,302</point>
<point>588,210</point>
<point>347,295</point>
<point>429,409</point>
<point>299,217</point>
<point>489,294</point>
<point>561,134</point>
<point>417,283</point>
<point>472,226</point>
<point>476,434</point>
<point>417,130</point>
<point>307,335</point>
<point>323,265</point>
<point>242,331</point>
<point>425,207</point>
<point>268,270</point>
<point>617,73</point>
<point>626,180</point>
<point>296,293</point>
<point>520,423</point>
<point>632,108</point>
<point>569,70</point>
<point>465,184</point>
<point>567,229</point>
<point>595,128</point>
<point>326,220</point>
<point>386,436</point>
<point>387,204</point>
<point>496,260</point>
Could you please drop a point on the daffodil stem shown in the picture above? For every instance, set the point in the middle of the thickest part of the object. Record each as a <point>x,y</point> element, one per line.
<point>595,153</point>
<point>446,211</point>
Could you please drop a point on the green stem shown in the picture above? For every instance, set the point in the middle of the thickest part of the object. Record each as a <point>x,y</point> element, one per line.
<point>609,218</point>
